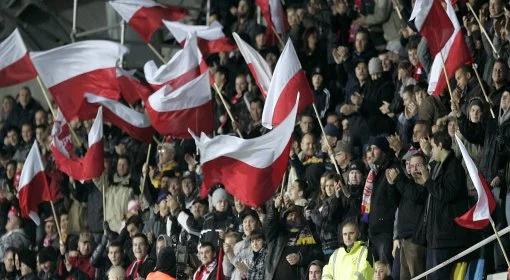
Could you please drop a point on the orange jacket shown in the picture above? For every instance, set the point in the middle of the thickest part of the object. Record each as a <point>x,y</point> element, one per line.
<point>156,275</point>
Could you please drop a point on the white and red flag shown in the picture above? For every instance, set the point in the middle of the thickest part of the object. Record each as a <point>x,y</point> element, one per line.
<point>435,24</point>
<point>145,16</point>
<point>211,38</point>
<point>15,64</point>
<point>131,88</point>
<point>132,122</point>
<point>478,216</point>
<point>33,188</point>
<point>287,82</point>
<point>256,63</point>
<point>87,167</point>
<point>250,169</point>
<point>188,107</point>
<point>272,11</point>
<point>186,65</point>
<point>72,70</point>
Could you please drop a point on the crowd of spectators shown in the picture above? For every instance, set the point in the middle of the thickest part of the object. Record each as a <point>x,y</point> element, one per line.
<point>387,213</point>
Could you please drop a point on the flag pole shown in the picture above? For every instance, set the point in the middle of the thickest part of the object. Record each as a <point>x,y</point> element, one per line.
<point>142,186</point>
<point>483,30</point>
<point>73,29</point>
<point>499,241</point>
<point>51,198</point>
<point>278,37</point>
<point>330,150</point>
<point>217,89</point>
<point>45,94</point>
<point>446,77</point>
<point>474,66</point>
<point>153,49</point>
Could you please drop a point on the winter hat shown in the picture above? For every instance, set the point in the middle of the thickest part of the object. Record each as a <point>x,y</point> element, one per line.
<point>382,143</point>
<point>161,196</point>
<point>218,194</point>
<point>28,258</point>
<point>357,165</point>
<point>133,206</point>
<point>375,66</point>
<point>332,130</point>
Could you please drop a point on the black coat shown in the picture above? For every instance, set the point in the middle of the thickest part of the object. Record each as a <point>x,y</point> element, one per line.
<point>383,203</point>
<point>410,209</point>
<point>448,199</point>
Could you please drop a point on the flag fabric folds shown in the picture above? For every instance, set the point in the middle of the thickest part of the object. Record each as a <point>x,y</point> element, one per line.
<point>145,16</point>
<point>188,107</point>
<point>134,123</point>
<point>288,80</point>
<point>186,65</point>
<point>87,167</point>
<point>435,24</point>
<point>272,11</point>
<point>211,38</point>
<point>15,64</point>
<point>131,88</point>
<point>478,216</point>
<point>33,186</point>
<point>72,70</point>
<point>250,169</point>
<point>256,63</point>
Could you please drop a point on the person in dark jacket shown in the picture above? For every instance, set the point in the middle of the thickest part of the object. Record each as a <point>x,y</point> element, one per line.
<point>28,265</point>
<point>380,200</point>
<point>165,266</point>
<point>219,221</point>
<point>291,245</point>
<point>8,269</point>
<point>447,199</point>
<point>410,211</point>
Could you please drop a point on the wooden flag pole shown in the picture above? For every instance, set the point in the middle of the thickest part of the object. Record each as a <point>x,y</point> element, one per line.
<point>499,241</point>
<point>483,29</point>
<point>145,175</point>
<point>217,89</point>
<point>330,150</point>
<point>153,49</point>
<point>446,77</point>
<point>474,66</point>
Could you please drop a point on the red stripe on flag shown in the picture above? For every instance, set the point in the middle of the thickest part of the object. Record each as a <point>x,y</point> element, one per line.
<point>148,19</point>
<point>69,94</point>
<point>176,123</point>
<point>437,28</point>
<point>86,168</point>
<point>18,72</point>
<point>33,194</point>
<point>287,98</point>
<point>253,186</point>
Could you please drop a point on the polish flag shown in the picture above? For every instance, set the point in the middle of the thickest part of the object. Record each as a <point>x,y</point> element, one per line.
<point>134,123</point>
<point>33,186</point>
<point>288,80</point>
<point>145,16</point>
<point>188,107</point>
<point>61,136</point>
<point>211,38</point>
<point>15,64</point>
<point>433,23</point>
<point>186,65</point>
<point>72,70</point>
<point>478,216</point>
<point>453,54</point>
<point>131,88</point>
<point>250,169</point>
<point>273,14</point>
<point>87,167</point>
<point>256,63</point>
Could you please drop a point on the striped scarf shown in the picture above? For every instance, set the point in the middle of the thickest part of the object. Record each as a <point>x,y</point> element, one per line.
<point>367,195</point>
